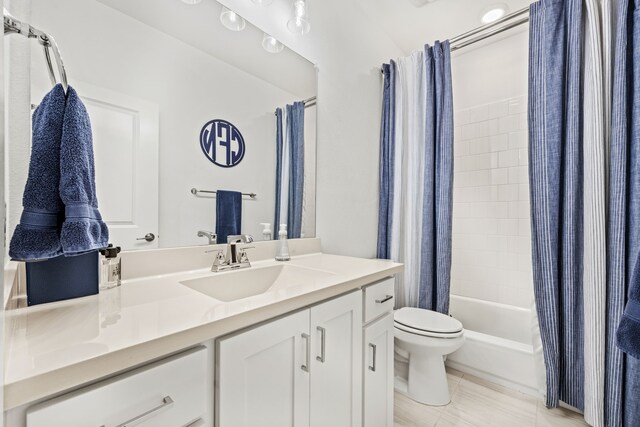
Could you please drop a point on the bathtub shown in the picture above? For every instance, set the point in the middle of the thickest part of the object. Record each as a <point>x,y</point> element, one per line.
<point>498,345</point>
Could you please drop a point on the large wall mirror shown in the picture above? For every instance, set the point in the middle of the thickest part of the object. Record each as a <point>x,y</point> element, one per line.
<point>181,107</point>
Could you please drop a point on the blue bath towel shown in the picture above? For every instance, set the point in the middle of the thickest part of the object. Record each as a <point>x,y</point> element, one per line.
<point>37,237</point>
<point>228,214</point>
<point>83,229</point>
<point>628,334</point>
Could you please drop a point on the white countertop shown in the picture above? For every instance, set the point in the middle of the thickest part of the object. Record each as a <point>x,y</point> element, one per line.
<point>59,346</point>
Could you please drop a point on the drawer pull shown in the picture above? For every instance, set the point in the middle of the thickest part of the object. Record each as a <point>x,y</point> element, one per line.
<point>385,299</point>
<point>372,368</point>
<point>323,333</point>
<point>166,402</point>
<point>305,367</point>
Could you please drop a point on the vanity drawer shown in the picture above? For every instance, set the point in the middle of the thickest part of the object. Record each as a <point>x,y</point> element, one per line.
<point>168,393</point>
<point>378,299</point>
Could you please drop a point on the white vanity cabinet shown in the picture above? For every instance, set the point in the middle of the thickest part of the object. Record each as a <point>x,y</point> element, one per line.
<point>378,354</point>
<point>169,393</point>
<point>304,369</point>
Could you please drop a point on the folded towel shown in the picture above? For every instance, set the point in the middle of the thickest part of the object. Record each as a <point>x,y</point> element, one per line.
<point>228,214</point>
<point>83,229</point>
<point>628,334</point>
<point>37,236</point>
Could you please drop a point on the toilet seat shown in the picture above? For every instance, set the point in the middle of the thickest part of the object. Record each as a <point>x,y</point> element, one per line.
<point>427,323</point>
<point>420,332</point>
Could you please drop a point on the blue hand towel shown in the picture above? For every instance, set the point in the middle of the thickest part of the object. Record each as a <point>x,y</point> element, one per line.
<point>83,229</point>
<point>37,237</point>
<point>628,334</point>
<point>228,214</point>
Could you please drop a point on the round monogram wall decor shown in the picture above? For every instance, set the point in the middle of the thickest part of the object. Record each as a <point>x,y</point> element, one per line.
<point>222,143</point>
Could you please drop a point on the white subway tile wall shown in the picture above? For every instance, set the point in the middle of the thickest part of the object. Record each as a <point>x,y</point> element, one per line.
<point>491,216</point>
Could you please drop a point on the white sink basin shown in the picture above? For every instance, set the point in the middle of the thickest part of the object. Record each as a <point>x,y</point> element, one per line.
<point>238,284</point>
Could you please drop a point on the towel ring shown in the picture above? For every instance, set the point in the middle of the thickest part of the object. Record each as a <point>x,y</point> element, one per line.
<point>47,43</point>
<point>15,26</point>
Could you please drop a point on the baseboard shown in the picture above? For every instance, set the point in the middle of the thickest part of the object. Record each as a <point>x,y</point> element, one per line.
<point>522,388</point>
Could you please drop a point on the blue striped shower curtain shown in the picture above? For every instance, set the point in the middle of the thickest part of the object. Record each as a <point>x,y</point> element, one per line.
<point>387,147</point>
<point>625,169</point>
<point>555,176</point>
<point>416,175</point>
<point>279,161</point>
<point>584,142</point>
<point>289,187</point>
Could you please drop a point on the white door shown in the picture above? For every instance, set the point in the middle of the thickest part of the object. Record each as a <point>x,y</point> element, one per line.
<point>263,375</point>
<point>378,373</point>
<point>336,362</point>
<point>125,143</point>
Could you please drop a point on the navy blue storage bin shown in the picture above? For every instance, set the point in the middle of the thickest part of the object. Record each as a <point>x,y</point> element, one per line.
<point>62,278</point>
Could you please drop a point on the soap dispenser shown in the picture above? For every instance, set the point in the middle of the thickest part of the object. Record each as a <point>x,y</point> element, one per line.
<point>283,245</point>
<point>266,231</point>
<point>110,267</point>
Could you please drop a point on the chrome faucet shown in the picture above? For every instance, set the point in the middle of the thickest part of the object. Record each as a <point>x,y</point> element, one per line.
<point>213,237</point>
<point>236,257</point>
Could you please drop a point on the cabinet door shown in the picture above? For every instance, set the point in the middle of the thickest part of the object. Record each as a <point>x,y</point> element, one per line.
<point>378,373</point>
<point>336,362</point>
<point>263,375</point>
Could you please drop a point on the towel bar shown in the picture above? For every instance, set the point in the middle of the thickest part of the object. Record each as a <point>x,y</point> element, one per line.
<point>196,191</point>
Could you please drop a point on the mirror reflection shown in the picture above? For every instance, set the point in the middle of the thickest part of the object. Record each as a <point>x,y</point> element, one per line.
<point>203,126</point>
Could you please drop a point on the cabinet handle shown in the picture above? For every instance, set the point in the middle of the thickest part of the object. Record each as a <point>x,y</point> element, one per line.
<point>385,299</point>
<point>166,402</point>
<point>305,367</point>
<point>372,368</point>
<point>323,333</point>
<point>196,423</point>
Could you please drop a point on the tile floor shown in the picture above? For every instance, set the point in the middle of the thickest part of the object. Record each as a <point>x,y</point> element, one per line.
<point>476,402</point>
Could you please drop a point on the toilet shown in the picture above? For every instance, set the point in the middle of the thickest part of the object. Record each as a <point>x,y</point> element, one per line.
<point>422,340</point>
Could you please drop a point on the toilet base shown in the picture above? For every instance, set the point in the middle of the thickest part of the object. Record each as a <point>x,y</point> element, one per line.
<point>427,381</point>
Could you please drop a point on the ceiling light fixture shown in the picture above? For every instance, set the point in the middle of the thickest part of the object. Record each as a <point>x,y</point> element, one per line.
<point>271,44</point>
<point>191,2</point>
<point>493,13</point>
<point>262,2</point>
<point>299,21</point>
<point>232,20</point>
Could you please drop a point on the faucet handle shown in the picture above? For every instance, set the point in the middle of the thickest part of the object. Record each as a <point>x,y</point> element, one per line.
<point>219,254</point>
<point>242,254</point>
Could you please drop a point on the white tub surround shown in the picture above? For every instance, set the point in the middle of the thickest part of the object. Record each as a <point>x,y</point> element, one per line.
<point>56,347</point>
<point>498,345</point>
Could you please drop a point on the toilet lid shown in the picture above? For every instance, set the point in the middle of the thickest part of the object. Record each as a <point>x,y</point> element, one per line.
<point>426,320</point>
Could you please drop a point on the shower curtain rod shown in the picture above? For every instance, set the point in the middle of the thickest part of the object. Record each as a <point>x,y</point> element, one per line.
<point>481,33</point>
<point>309,102</point>
<point>458,41</point>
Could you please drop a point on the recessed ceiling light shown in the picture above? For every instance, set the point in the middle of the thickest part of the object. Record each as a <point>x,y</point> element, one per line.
<point>493,13</point>
<point>299,21</point>
<point>271,44</point>
<point>232,20</point>
<point>191,1</point>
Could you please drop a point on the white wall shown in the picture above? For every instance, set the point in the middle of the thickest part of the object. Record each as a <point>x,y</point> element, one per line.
<point>109,49</point>
<point>348,49</point>
<point>491,226</point>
